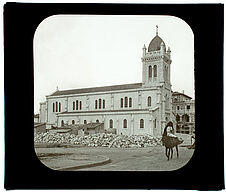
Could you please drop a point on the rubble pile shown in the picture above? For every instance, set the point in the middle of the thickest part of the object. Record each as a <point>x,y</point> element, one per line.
<point>99,140</point>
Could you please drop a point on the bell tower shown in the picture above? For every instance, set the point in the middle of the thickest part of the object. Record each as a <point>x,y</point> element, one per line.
<point>156,63</point>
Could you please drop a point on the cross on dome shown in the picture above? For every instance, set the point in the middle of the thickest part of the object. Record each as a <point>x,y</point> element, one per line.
<point>156,43</point>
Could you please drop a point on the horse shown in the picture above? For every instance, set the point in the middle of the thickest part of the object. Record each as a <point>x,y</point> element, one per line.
<point>170,142</point>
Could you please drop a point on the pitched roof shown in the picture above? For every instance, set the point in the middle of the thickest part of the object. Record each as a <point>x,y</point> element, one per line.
<point>38,124</point>
<point>177,93</point>
<point>80,126</point>
<point>98,89</point>
<point>92,125</point>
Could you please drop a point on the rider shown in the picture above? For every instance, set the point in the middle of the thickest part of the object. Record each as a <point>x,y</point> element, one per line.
<point>169,130</point>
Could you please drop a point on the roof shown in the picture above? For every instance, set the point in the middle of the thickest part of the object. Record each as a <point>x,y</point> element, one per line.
<point>62,130</point>
<point>97,89</point>
<point>79,126</point>
<point>177,93</point>
<point>155,44</point>
<point>92,125</point>
<point>36,125</point>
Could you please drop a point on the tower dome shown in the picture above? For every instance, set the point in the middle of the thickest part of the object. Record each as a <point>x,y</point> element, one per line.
<point>155,44</point>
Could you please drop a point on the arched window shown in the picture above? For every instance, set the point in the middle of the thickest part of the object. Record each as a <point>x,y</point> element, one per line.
<point>121,102</point>
<point>97,121</point>
<point>85,121</point>
<point>141,123</point>
<point>155,123</point>
<point>56,106</point>
<point>99,103</point>
<point>111,123</point>
<point>149,71</point>
<point>155,70</point>
<point>149,101</point>
<point>59,106</point>
<point>73,105</point>
<point>95,104</point>
<point>53,107</point>
<point>166,73</point>
<point>103,104</point>
<point>62,123</point>
<point>124,123</point>
<point>73,122</point>
<point>80,105</point>
<point>130,102</point>
<point>126,101</point>
<point>76,104</point>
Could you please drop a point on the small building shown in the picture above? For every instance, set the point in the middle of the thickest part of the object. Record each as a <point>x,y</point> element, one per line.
<point>91,128</point>
<point>184,110</point>
<point>80,129</point>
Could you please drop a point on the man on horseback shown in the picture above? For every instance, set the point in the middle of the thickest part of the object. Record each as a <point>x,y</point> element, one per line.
<point>170,140</point>
<point>169,131</point>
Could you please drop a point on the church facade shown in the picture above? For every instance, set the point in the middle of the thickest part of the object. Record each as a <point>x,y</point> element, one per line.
<point>132,109</point>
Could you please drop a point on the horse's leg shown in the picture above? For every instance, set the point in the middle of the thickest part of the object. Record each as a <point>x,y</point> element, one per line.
<point>168,154</point>
<point>171,152</point>
<point>177,151</point>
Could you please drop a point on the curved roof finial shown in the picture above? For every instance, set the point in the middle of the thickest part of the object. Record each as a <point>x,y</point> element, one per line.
<point>156,29</point>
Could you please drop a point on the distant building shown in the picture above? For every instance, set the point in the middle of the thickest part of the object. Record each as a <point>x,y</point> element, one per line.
<point>184,110</point>
<point>132,109</point>
<point>43,113</point>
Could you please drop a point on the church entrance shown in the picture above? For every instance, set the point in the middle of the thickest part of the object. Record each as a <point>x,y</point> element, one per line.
<point>62,123</point>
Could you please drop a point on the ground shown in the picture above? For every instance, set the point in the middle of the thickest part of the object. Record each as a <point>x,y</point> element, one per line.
<point>122,159</point>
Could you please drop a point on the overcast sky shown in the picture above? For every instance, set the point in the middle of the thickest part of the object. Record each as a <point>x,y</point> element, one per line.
<point>74,51</point>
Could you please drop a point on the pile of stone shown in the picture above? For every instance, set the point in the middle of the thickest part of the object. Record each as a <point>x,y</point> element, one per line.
<point>99,140</point>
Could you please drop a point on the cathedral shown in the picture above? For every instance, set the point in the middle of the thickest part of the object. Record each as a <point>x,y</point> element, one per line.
<point>131,109</point>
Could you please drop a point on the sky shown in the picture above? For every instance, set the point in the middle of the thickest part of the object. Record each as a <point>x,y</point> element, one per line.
<point>79,51</point>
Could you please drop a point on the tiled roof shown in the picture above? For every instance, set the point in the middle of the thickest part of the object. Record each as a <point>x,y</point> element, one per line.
<point>177,93</point>
<point>38,124</point>
<point>81,126</point>
<point>92,125</point>
<point>98,89</point>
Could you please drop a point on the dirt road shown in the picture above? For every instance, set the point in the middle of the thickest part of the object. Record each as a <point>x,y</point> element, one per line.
<point>127,159</point>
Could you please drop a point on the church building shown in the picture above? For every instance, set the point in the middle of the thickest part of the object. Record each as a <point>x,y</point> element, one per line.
<point>132,109</point>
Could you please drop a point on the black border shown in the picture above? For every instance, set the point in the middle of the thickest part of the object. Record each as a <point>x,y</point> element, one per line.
<point>24,171</point>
